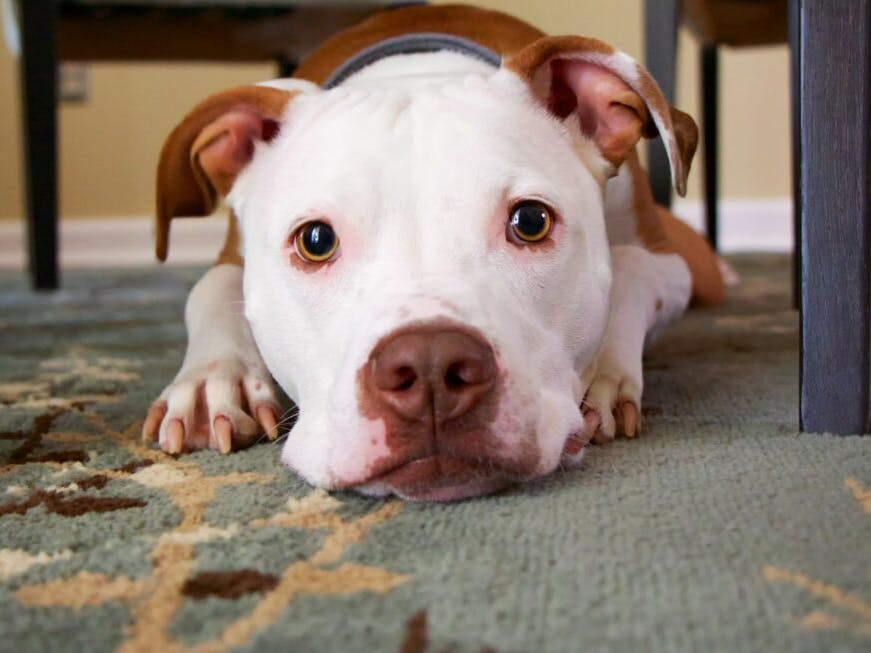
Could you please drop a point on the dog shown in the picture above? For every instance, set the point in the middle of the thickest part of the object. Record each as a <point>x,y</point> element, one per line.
<point>452,258</point>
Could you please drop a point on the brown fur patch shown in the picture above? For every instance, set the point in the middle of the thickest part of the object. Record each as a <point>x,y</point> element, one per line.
<point>647,221</point>
<point>228,584</point>
<point>183,189</point>
<point>231,252</point>
<point>686,132</point>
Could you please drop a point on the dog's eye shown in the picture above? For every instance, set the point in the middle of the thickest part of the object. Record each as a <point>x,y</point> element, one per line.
<point>316,241</point>
<point>530,221</point>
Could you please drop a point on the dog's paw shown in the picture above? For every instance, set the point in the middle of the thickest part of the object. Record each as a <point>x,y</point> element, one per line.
<point>224,405</point>
<point>612,407</point>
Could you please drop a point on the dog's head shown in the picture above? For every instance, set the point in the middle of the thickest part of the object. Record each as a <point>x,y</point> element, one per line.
<point>426,266</point>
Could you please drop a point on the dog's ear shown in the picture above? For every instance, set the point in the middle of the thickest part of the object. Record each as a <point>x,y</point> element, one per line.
<point>615,99</point>
<point>204,154</point>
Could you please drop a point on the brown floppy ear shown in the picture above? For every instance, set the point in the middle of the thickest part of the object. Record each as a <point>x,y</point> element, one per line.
<point>203,155</point>
<point>615,99</point>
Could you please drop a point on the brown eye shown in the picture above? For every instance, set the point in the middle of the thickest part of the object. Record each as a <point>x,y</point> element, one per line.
<point>530,221</point>
<point>316,241</point>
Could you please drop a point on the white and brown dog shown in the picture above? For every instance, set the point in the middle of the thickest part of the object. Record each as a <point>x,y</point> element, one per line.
<point>449,247</point>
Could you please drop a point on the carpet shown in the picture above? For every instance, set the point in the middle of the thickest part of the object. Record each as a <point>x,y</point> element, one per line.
<point>721,528</point>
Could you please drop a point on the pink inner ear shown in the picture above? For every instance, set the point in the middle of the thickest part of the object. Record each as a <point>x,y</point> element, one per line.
<point>226,145</point>
<point>610,113</point>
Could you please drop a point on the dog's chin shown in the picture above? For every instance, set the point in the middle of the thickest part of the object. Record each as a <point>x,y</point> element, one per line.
<point>437,478</point>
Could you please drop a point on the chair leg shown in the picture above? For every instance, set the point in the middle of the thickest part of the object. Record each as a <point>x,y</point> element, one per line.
<point>286,67</point>
<point>39,112</point>
<point>661,19</point>
<point>710,122</point>
<point>836,217</point>
<point>795,110</point>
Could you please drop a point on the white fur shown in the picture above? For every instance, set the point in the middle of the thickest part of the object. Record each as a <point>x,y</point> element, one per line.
<point>649,291</point>
<point>221,357</point>
<point>621,221</point>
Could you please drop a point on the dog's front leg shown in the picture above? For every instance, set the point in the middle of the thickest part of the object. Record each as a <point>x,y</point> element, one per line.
<point>223,388</point>
<point>648,291</point>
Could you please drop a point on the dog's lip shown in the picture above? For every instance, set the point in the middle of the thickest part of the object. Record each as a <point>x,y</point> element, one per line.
<point>442,478</point>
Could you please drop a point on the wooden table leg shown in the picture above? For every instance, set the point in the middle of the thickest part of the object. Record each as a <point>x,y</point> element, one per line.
<point>835,56</point>
<point>660,51</point>
<point>39,118</point>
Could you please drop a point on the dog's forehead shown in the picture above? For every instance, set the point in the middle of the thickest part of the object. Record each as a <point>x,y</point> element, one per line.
<point>471,133</point>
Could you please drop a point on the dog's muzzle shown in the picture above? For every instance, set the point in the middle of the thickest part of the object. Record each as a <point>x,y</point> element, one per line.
<point>437,389</point>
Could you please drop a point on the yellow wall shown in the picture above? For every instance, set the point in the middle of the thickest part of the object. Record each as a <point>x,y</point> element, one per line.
<point>109,146</point>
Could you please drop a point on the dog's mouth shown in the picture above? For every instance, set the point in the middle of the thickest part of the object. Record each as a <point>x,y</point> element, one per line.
<point>441,477</point>
<point>438,478</point>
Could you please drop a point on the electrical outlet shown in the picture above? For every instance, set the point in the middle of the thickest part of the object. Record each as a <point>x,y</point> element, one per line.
<point>73,83</point>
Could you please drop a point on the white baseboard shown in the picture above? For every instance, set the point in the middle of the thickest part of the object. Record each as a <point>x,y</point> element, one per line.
<point>123,242</point>
<point>745,225</point>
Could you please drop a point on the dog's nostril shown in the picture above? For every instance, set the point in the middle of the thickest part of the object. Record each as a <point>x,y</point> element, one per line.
<point>470,370</point>
<point>405,378</point>
<point>456,376</point>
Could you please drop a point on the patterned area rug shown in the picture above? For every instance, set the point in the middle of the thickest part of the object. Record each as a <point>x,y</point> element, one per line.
<point>719,529</point>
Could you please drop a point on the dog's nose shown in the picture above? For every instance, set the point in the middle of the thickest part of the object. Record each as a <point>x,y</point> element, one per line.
<point>442,374</point>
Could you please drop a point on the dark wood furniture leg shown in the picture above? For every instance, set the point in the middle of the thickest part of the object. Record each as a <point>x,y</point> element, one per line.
<point>39,117</point>
<point>286,67</point>
<point>660,51</point>
<point>836,133</point>
<point>710,124</point>
<point>795,110</point>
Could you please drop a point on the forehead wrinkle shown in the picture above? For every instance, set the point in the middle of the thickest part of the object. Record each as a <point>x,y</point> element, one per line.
<point>338,122</point>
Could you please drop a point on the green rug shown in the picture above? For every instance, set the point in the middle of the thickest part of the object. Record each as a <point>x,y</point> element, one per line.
<point>720,529</point>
